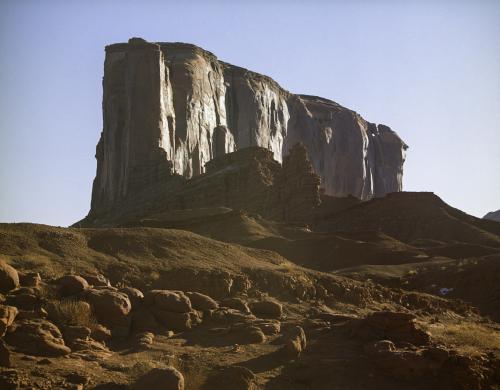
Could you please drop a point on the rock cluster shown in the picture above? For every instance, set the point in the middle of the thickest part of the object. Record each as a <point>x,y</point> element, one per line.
<point>172,107</point>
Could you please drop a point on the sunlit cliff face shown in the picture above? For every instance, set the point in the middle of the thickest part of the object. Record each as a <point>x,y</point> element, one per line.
<point>172,107</point>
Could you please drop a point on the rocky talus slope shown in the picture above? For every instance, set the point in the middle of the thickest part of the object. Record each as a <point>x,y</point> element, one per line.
<point>170,108</point>
<point>158,308</point>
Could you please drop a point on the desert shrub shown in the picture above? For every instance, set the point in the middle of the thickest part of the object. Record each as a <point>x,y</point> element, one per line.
<point>72,312</point>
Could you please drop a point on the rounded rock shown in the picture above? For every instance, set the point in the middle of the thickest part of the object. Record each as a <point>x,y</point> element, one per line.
<point>71,285</point>
<point>9,278</point>
<point>160,379</point>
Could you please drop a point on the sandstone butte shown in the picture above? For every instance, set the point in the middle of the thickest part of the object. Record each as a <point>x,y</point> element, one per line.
<point>171,108</point>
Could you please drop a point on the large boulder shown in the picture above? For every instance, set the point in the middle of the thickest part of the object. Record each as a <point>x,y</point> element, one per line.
<point>111,308</point>
<point>395,326</point>
<point>76,335</point>
<point>232,378</point>
<point>248,334</point>
<point>267,308</point>
<point>23,301</point>
<point>136,296</point>
<point>97,280</point>
<point>7,316</point>
<point>37,337</point>
<point>71,285</point>
<point>294,341</point>
<point>9,278</point>
<point>201,301</point>
<point>160,379</point>
<point>168,300</point>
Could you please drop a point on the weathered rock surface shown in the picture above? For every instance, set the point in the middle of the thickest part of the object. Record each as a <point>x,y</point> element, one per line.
<point>111,308</point>
<point>170,108</point>
<point>38,337</point>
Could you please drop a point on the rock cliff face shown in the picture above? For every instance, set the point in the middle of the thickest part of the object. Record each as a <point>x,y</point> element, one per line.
<point>170,108</point>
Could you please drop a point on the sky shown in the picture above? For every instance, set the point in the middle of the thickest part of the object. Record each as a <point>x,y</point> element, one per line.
<point>428,69</point>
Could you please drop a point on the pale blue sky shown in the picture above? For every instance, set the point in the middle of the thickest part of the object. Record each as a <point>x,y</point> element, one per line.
<point>428,69</point>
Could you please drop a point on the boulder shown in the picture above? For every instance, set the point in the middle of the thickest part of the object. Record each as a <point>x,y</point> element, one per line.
<point>7,316</point>
<point>386,325</point>
<point>248,335</point>
<point>111,308</point>
<point>168,300</point>
<point>267,308</point>
<point>22,301</point>
<point>232,378</point>
<point>269,328</point>
<point>160,379</point>
<point>9,278</point>
<point>201,301</point>
<point>294,341</point>
<point>236,303</point>
<point>72,334</point>
<point>231,316</point>
<point>71,285</point>
<point>37,337</point>
<point>97,280</point>
<point>136,296</point>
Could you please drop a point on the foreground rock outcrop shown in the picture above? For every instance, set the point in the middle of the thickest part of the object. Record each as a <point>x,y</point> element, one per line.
<point>170,108</point>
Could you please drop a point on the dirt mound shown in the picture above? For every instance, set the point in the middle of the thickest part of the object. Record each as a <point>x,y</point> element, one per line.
<point>410,216</point>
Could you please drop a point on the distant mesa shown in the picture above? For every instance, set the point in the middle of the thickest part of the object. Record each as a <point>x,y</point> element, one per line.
<point>171,109</point>
<point>493,216</point>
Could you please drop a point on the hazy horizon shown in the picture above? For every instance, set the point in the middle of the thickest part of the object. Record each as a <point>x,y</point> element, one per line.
<point>429,70</point>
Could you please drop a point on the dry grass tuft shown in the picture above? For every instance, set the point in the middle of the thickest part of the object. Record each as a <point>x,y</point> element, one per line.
<point>72,312</point>
<point>467,337</point>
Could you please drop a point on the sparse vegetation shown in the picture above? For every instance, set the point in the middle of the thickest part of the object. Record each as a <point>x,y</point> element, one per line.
<point>72,312</point>
<point>467,337</point>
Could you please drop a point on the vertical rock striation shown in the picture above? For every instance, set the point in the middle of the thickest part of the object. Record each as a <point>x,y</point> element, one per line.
<point>170,108</point>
